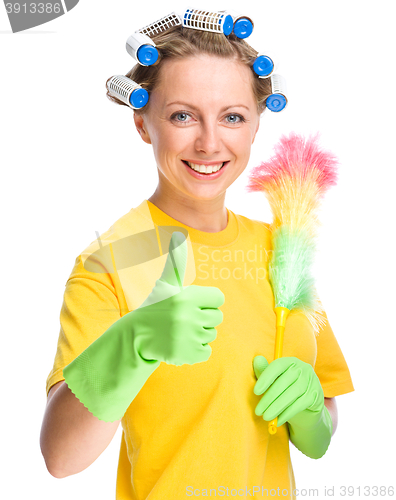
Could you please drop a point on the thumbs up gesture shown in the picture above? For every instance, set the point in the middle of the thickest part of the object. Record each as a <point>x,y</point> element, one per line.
<point>175,324</point>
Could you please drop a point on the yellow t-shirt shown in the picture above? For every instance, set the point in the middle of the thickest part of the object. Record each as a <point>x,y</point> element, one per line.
<point>192,430</point>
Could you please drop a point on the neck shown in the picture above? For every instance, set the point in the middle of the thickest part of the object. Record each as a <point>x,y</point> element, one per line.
<point>209,216</point>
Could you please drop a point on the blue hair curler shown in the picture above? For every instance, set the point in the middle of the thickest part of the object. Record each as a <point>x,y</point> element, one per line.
<point>243,27</point>
<point>263,66</point>
<point>277,101</point>
<point>127,91</point>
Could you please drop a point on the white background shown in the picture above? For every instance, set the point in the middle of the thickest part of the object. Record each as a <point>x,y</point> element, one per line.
<point>72,164</point>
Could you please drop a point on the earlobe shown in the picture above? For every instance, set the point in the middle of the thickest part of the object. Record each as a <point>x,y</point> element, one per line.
<point>140,127</point>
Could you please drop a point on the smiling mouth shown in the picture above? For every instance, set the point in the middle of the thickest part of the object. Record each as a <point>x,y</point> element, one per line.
<point>202,169</point>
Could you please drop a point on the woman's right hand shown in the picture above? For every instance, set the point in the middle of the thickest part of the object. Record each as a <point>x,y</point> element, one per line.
<point>175,324</point>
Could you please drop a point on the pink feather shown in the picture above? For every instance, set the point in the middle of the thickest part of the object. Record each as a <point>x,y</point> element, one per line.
<point>296,157</point>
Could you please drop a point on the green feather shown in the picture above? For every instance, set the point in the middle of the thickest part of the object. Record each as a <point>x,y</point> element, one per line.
<point>290,273</point>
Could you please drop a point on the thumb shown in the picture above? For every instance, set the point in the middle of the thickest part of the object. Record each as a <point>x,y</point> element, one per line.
<point>259,365</point>
<point>176,263</point>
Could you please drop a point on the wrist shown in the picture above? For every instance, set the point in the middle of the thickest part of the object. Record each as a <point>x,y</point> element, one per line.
<point>109,373</point>
<point>307,419</point>
<point>310,433</point>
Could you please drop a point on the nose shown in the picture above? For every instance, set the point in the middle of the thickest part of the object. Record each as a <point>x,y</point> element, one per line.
<point>208,139</point>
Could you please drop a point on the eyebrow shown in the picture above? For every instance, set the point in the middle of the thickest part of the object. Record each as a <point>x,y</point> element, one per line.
<point>193,107</point>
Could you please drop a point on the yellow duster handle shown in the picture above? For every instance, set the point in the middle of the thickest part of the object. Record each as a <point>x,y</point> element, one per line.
<point>281,315</point>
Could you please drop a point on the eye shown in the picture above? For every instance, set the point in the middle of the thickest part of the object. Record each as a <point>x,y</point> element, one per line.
<point>180,117</point>
<point>233,119</point>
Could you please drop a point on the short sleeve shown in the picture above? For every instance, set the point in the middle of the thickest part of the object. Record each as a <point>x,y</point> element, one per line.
<point>331,366</point>
<point>90,306</point>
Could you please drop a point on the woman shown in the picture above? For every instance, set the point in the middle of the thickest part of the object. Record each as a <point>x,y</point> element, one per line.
<point>196,421</point>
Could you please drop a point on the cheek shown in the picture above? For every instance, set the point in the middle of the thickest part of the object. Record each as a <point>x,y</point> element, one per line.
<point>241,147</point>
<point>243,143</point>
<point>174,140</point>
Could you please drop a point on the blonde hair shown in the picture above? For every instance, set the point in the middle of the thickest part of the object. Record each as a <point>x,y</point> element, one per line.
<point>179,42</point>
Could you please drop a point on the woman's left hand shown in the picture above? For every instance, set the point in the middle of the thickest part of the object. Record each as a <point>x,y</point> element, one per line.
<point>293,392</point>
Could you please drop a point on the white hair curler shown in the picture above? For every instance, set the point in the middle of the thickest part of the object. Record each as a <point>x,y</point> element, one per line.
<point>217,22</point>
<point>277,101</point>
<point>127,91</point>
<point>162,25</point>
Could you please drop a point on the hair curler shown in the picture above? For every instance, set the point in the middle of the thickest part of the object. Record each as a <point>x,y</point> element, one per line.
<point>217,22</point>
<point>127,91</point>
<point>277,100</point>
<point>141,47</point>
<point>164,24</point>
<point>264,66</point>
<point>243,25</point>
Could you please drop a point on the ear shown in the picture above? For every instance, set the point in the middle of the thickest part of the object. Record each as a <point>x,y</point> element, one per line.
<point>141,128</point>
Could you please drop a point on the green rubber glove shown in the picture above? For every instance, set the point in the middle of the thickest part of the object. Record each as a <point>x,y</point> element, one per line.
<point>174,325</point>
<point>293,393</point>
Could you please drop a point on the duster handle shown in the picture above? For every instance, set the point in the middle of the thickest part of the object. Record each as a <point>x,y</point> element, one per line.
<point>281,316</point>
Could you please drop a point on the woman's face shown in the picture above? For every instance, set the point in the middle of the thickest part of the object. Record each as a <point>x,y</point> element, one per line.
<point>202,112</point>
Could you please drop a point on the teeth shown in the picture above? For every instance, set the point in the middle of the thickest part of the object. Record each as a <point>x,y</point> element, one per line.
<point>205,170</point>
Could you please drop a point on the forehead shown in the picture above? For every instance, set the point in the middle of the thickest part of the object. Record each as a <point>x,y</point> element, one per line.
<point>205,78</point>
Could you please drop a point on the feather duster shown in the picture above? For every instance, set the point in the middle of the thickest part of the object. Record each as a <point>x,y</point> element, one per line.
<point>294,181</point>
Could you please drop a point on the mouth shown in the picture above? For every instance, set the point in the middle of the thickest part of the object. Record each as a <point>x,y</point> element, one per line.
<point>203,169</point>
